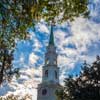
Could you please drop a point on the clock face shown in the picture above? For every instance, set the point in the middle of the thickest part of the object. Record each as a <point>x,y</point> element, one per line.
<point>44,92</point>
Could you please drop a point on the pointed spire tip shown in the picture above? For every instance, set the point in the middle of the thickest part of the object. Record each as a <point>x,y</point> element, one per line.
<point>51,40</point>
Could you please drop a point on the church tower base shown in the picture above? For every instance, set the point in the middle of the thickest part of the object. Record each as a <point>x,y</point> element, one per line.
<point>47,91</point>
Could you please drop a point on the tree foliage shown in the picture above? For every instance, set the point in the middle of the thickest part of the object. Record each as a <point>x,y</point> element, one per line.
<point>86,86</point>
<point>21,13</point>
<point>17,15</point>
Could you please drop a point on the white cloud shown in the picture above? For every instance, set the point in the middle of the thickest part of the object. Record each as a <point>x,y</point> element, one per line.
<point>42,28</point>
<point>85,34</point>
<point>33,58</point>
<point>21,58</point>
<point>36,43</point>
<point>25,84</point>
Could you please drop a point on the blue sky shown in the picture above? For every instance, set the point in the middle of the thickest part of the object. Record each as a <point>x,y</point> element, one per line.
<point>75,42</point>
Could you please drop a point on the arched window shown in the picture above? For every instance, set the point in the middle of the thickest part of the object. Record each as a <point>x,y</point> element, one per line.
<point>44,92</point>
<point>46,73</point>
<point>56,74</point>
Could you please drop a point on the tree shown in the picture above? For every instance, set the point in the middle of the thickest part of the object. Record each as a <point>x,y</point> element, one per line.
<point>20,14</point>
<point>16,16</point>
<point>86,86</point>
<point>6,67</point>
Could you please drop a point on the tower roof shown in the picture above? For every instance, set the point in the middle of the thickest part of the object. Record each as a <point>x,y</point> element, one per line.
<point>51,39</point>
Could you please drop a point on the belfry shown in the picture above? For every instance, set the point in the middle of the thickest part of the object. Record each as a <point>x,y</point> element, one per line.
<point>50,73</point>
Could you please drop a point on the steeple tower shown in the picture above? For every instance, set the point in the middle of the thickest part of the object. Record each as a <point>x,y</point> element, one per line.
<point>51,55</point>
<point>50,72</point>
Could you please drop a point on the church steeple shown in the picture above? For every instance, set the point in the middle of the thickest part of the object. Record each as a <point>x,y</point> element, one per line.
<point>50,73</point>
<point>51,40</point>
<point>51,61</point>
<point>51,55</point>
